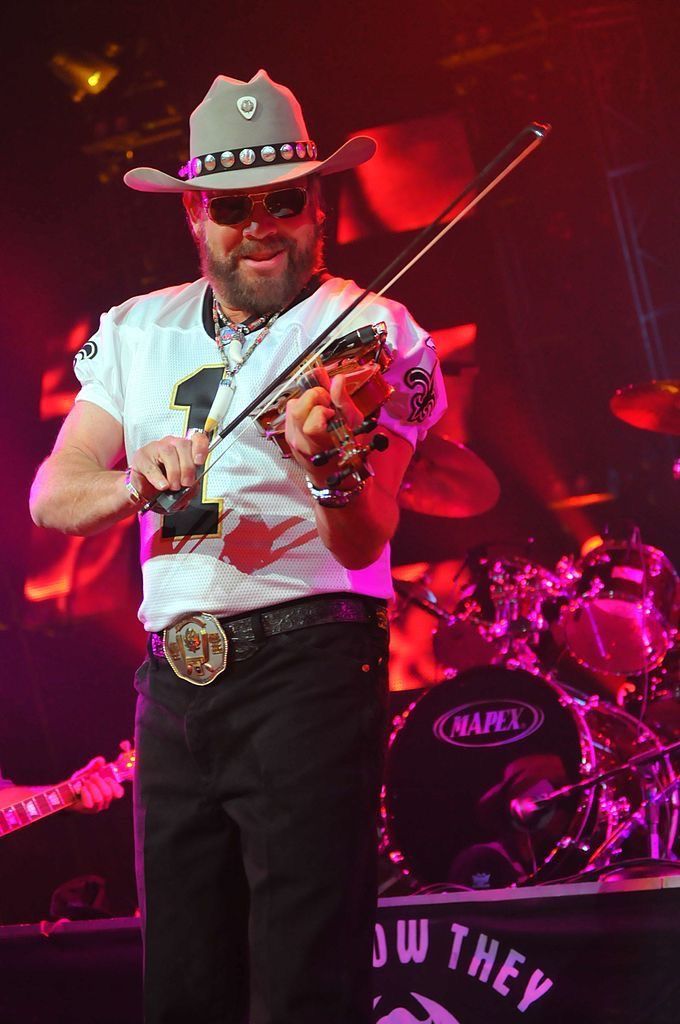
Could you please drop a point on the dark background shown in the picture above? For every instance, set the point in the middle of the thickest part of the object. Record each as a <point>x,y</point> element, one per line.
<point>569,271</point>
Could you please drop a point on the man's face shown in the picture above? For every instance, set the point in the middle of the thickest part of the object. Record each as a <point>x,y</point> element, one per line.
<point>259,266</point>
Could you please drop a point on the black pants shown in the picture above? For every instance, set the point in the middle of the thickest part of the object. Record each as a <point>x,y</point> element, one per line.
<point>255,814</point>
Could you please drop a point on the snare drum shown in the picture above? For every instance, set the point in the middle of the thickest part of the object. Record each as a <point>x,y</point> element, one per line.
<point>471,745</point>
<point>622,617</point>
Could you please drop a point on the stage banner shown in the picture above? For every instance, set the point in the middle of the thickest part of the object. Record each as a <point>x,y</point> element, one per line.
<point>589,954</point>
<point>570,954</point>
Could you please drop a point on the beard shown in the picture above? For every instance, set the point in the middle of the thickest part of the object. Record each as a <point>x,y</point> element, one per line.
<point>259,295</point>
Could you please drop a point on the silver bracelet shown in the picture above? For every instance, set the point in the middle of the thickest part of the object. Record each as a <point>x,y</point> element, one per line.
<point>332,497</point>
<point>136,496</point>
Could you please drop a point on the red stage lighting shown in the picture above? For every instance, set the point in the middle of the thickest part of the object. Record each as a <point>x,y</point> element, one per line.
<point>419,166</point>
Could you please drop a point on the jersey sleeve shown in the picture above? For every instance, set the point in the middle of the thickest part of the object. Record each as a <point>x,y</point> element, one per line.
<point>419,396</point>
<point>97,365</point>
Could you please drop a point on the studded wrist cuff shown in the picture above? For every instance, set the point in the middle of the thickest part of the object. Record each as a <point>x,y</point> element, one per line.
<point>332,497</point>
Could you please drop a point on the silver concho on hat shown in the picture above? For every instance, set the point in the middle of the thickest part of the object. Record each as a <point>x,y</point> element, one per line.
<point>247,157</point>
<point>246,106</point>
<point>227,158</point>
<point>210,162</point>
<point>196,648</point>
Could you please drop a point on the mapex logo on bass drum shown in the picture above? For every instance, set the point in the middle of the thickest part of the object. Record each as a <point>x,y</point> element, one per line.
<point>488,723</point>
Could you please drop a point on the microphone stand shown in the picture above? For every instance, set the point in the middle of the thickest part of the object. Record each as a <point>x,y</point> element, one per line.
<point>634,762</point>
<point>646,814</point>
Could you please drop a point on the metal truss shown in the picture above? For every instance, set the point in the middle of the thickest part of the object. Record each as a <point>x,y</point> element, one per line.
<point>628,122</point>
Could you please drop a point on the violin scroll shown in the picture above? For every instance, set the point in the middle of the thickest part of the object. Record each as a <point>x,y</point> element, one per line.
<point>352,456</point>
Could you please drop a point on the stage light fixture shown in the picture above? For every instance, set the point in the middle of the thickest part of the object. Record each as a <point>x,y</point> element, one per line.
<point>84,73</point>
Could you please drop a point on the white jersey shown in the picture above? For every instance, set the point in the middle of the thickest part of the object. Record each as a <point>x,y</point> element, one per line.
<point>249,539</point>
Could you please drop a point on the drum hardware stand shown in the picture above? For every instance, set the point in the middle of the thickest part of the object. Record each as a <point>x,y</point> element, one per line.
<point>646,814</point>
<point>520,654</point>
<point>408,591</point>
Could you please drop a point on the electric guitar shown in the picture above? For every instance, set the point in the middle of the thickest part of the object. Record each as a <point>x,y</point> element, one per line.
<point>44,802</point>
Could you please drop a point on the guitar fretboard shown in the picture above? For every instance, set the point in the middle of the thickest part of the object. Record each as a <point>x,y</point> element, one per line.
<point>37,805</point>
<point>55,798</point>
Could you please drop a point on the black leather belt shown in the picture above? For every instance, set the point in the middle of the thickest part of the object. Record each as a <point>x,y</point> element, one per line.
<point>244,632</point>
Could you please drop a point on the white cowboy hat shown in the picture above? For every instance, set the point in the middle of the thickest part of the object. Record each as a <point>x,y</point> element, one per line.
<point>246,135</point>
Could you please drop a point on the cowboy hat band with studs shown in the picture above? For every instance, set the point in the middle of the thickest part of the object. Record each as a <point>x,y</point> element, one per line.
<point>246,135</point>
<point>209,163</point>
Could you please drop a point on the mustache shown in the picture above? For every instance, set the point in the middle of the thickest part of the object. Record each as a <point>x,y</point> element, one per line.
<point>262,249</point>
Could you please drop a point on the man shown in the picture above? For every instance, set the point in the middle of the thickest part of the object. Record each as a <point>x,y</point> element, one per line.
<point>257,788</point>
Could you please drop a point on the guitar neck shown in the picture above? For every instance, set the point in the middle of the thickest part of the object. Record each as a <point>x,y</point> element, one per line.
<point>42,803</point>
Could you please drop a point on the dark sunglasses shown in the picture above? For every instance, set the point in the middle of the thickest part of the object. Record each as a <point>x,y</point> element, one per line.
<point>231,210</point>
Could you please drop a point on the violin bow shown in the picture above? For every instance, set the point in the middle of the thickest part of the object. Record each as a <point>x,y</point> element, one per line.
<point>516,151</point>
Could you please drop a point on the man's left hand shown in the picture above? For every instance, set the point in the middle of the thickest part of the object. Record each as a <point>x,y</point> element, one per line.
<point>307,418</point>
<point>96,791</point>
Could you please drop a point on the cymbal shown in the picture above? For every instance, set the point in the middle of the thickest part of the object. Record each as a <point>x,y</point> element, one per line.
<point>654,405</point>
<point>446,479</point>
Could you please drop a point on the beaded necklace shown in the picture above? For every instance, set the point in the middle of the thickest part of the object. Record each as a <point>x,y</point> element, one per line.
<point>230,338</point>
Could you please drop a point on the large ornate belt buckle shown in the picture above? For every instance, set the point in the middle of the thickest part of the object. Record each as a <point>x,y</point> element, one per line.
<point>196,648</point>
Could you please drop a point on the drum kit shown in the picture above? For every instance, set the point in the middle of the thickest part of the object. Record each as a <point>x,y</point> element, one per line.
<point>501,773</point>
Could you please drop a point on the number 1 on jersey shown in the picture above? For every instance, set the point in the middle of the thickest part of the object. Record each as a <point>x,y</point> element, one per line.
<point>202,516</point>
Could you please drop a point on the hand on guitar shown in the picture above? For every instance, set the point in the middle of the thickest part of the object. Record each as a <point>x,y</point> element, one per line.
<point>95,790</point>
<point>89,790</point>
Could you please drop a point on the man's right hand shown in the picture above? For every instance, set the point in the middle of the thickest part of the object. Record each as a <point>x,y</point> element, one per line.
<point>168,464</point>
<point>75,490</point>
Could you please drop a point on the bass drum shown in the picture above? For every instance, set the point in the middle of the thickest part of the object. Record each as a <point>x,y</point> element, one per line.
<point>469,747</point>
